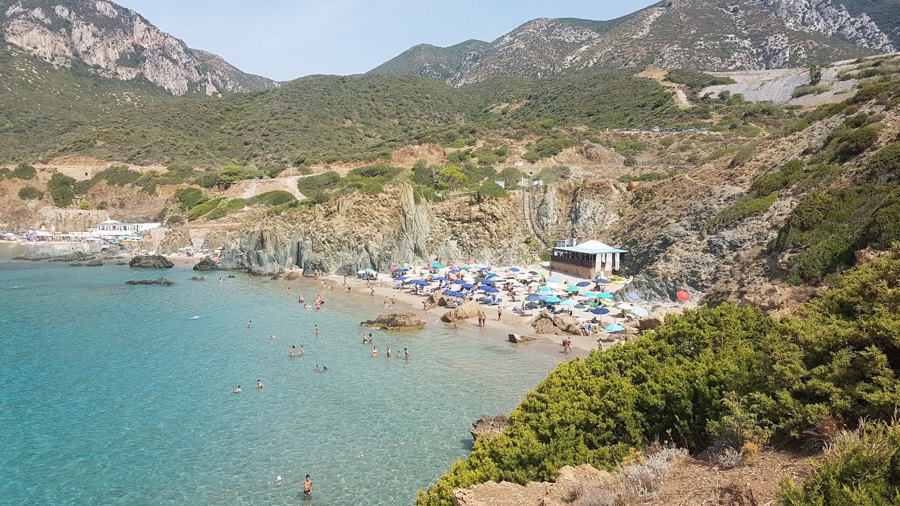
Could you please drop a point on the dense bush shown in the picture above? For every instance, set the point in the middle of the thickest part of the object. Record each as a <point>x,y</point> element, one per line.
<point>61,189</point>
<point>885,163</point>
<point>549,146</point>
<point>707,373</point>
<point>861,466</point>
<point>23,171</point>
<point>187,198</point>
<point>318,184</point>
<point>742,208</point>
<point>117,176</point>
<point>491,189</point>
<point>554,174</point>
<point>30,193</point>
<point>272,198</point>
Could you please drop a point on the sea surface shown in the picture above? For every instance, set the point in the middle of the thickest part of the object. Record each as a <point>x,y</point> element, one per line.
<point>116,394</point>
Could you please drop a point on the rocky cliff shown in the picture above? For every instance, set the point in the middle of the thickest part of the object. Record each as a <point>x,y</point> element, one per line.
<point>379,232</point>
<point>117,43</point>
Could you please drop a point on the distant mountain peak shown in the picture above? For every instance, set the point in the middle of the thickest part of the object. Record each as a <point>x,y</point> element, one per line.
<point>117,43</point>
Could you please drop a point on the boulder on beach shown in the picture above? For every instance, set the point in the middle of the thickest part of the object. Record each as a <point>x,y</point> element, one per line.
<point>488,425</point>
<point>95,262</point>
<point>548,323</point>
<point>519,338</point>
<point>157,281</point>
<point>292,275</point>
<point>206,264</point>
<point>464,312</point>
<point>150,262</point>
<point>396,321</point>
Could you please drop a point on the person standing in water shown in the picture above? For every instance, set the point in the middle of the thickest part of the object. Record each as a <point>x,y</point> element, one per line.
<point>389,350</point>
<point>317,329</point>
<point>293,350</point>
<point>307,487</point>
<point>259,384</point>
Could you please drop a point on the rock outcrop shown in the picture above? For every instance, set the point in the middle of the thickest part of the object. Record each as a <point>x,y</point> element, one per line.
<point>547,323</point>
<point>569,482</point>
<point>94,262</point>
<point>150,262</point>
<point>488,425</point>
<point>396,321</point>
<point>207,264</point>
<point>157,281</point>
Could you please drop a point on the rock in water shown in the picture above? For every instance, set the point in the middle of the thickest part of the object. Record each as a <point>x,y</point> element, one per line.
<point>396,321</point>
<point>206,265</point>
<point>158,281</point>
<point>95,262</point>
<point>150,262</point>
<point>198,277</point>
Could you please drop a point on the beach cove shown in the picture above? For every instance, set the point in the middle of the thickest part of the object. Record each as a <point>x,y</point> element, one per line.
<point>119,394</point>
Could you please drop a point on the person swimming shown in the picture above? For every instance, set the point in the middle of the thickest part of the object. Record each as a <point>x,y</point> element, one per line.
<point>238,390</point>
<point>259,384</point>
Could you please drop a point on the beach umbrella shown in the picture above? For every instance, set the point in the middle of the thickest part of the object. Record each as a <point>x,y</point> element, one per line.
<point>600,310</point>
<point>436,265</point>
<point>400,278</point>
<point>605,295</point>
<point>639,311</point>
<point>568,302</point>
<point>683,296</point>
<point>535,297</point>
<point>580,306</point>
<point>480,279</point>
<point>589,294</point>
<point>633,296</point>
<point>458,282</point>
<point>465,267</point>
<point>487,282</point>
<point>572,289</point>
<point>607,302</point>
<point>554,280</point>
<point>419,282</point>
<point>552,299</point>
<point>584,283</point>
<point>439,278</point>
<point>454,271</point>
<point>614,327</point>
<point>533,273</point>
<point>490,289</point>
<point>452,293</point>
<point>491,274</point>
<point>467,286</point>
<point>545,289</point>
<point>626,306</point>
<point>484,268</point>
<point>601,279</point>
<point>513,269</point>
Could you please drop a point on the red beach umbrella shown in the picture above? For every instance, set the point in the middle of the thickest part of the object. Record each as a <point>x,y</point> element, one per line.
<point>683,296</point>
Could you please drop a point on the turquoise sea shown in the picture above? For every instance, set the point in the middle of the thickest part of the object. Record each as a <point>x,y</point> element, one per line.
<point>115,394</point>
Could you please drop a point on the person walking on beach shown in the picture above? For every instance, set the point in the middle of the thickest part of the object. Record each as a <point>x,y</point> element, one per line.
<point>307,487</point>
<point>499,312</point>
<point>568,345</point>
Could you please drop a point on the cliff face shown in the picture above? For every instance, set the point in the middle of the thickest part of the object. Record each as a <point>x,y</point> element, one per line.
<point>380,232</point>
<point>117,43</point>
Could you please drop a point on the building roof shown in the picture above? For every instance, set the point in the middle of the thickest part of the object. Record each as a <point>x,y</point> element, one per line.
<point>592,247</point>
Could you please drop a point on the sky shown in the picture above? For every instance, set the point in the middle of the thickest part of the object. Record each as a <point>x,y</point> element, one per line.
<point>287,39</point>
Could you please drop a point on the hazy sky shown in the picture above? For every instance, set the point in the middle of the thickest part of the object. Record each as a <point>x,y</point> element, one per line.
<point>287,39</point>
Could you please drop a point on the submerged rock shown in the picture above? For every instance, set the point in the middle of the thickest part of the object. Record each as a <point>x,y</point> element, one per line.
<point>157,281</point>
<point>396,321</point>
<point>95,262</point>
<point>150,262</point>
<point>198,277</point>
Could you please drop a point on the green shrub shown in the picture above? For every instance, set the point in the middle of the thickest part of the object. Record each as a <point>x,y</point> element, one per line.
<point>554,174</point>
<point>886,162</point>
<point>846,144</point>
<point>188,198</point>
<point>201,209</point>
<point>272,198</point>
<point>810,89</point>
<point>61,189</point>
<point>30,193</point>
<point>549,146</point>
<point>742,208</point>
<point>318,184</point>
<point>743,155</point>
<point>861,466</point>
<point>491,189</point>
<point>23,171</point>
<point>117,176</point>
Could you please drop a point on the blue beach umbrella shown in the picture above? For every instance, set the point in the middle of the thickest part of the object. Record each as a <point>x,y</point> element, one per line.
<point>568,302</point>
<point>439,278</point>
<point>535,297</point>
<point>454,271</point>
<point>490,289</point>
<point>572,289</point>
<point>633,296</point>
<point>600,310</point>
<point>465,267</point>
<point>584,283</point>
<point>513,269</point>
<point>639,311</point>
<point>554,280</point>
<point>419,282</point>
<point>552,299</point>
<point>614,327</point>
<point>589,294</point>
<point>452,293</point>
<point>436,265</point>
<point>487,282</point>
<point>468,286</point>
<point>605,295</point>
<point>400,278</point>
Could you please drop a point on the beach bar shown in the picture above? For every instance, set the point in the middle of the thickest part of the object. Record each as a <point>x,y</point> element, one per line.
<point>585,260</point>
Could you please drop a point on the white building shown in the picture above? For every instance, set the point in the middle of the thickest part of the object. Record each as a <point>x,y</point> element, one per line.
<point>113,228</point>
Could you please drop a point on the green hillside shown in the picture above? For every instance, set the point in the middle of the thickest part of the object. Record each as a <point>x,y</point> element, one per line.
<point>430,61</point>
<point>331,118</point>
<point>39,102</point>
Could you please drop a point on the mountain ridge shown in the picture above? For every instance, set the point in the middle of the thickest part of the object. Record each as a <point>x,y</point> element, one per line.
<point>697,34</point>
<point>118,43</point>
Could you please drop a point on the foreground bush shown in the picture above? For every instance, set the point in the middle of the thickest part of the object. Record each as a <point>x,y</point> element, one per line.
<point>721,374</point>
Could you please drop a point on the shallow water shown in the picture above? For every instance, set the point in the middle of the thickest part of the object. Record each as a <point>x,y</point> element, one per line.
<point>113,394</point>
